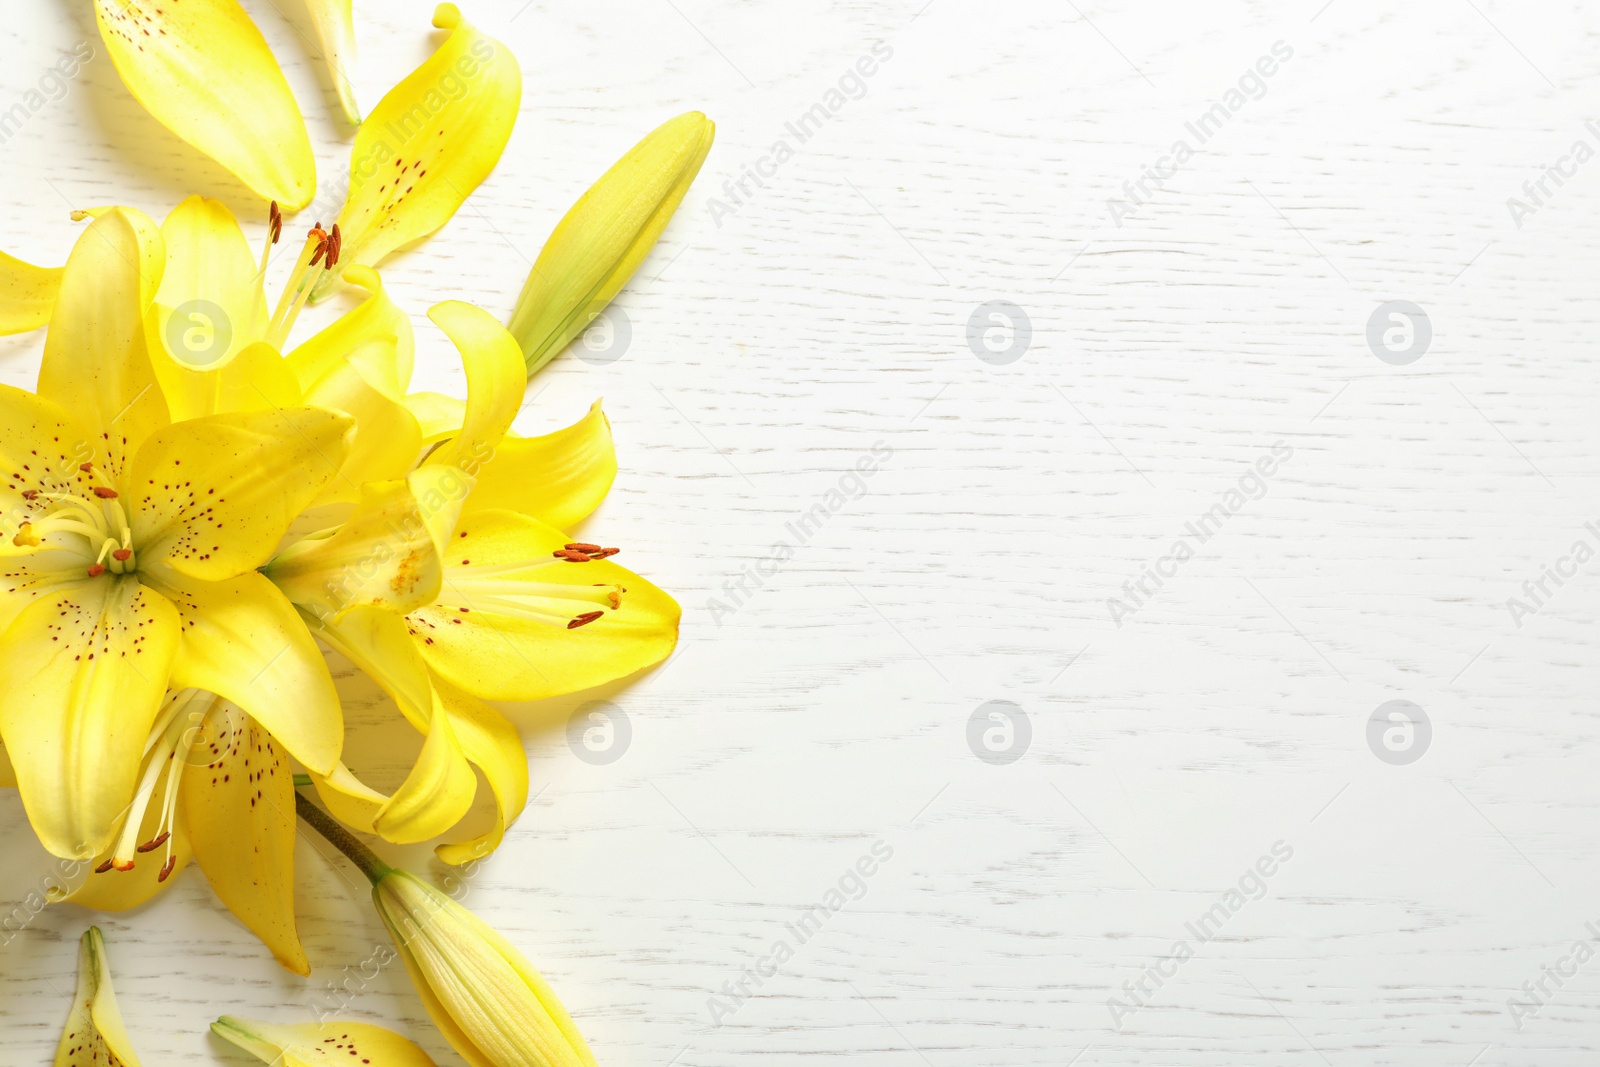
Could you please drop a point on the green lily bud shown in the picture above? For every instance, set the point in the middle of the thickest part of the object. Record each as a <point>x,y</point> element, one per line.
<point>596,248</point>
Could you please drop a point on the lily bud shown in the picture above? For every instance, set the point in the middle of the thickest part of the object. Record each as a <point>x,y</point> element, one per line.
<point>596,248</point>
<point>483,995</point>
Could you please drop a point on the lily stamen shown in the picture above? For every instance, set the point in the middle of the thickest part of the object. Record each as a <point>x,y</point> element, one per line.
<point>321,253</point>
<point>169,738</point>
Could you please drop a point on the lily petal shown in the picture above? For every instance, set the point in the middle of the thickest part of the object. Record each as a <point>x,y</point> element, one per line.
<point>495,383</point>
<point>440,416</point>
<point>8,777</point>
<point>386,555</point>
<point>205,72</point>
<point>94,1033</point>
<point>243,640</point>
<point>559,478</point>
<point>387,440</point>
<point>248,474</point>
<point>379,642</point>
<point>376,336</point>
<point>495,748</point>
<point>336,33</point>
<point>96,363</point>
<point>497,657</point>
<point>86,672</point>
<point>437,793</point>
<point>351,800</point>
<point>318,1044</point>
<point>239,811</point>
<point>27,294</point>
<point>429,143</point>
<point>255,379</point>
<point>210,272</point>
<point>609,232</point>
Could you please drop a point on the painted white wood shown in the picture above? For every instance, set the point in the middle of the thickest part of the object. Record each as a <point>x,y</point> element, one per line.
<point>774,346</point>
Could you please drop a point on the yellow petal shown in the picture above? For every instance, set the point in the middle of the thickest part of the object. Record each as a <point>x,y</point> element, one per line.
<point>205,72</point>
<point>214,496</point>
<point>212,282</point>
<point>379,642</point>
<point>559,478</point>
<point>439,416</point>
<point>351,800</point>
<point>27,294</point>
<point>319,1044</point>
<point>8,777</point>
<point>387,440</point>
<point>94,1034</point>
<point>86,670</point>
<point>376,336</point>
<point>96,363</point>
<point>596,248</point>
<point>387,555</point>
<point>497,657</point>
<point>255,379</point>
<point>437,793</point>
<point>494,747</point>
<point>336,34</point>
<point>238,805</point>
<point>495,383</point>
<point>429,143</point>
<point>243,640</point>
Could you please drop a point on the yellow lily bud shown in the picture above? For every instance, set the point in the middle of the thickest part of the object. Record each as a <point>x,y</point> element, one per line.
<point>596,248</point>
<point>484,996</point>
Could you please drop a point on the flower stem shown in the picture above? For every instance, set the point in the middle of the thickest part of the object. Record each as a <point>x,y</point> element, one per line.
<point>363,857</point>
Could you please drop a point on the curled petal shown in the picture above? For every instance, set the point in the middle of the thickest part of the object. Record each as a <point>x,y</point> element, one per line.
<point>559,478</point>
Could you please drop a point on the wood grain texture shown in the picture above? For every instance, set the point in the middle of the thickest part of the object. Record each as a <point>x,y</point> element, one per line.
<point>827,315</point>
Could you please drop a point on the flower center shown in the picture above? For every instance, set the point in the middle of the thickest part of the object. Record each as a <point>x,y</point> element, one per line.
<point>101,522</point>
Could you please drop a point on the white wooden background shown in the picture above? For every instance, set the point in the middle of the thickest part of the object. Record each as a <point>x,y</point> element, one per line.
<point>828,315</point>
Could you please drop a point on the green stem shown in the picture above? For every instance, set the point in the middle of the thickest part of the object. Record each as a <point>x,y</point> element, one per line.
<point>302,780</point>
<point>363,857</point>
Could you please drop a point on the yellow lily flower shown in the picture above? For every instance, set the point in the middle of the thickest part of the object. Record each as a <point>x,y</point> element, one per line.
<point>598,245</point>
<point>94,1034</point>
<point>128,552</point>
<point>490,1003</point>
<point>450,587</point>
<point>315,1044</point>
<point>205,72</point>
